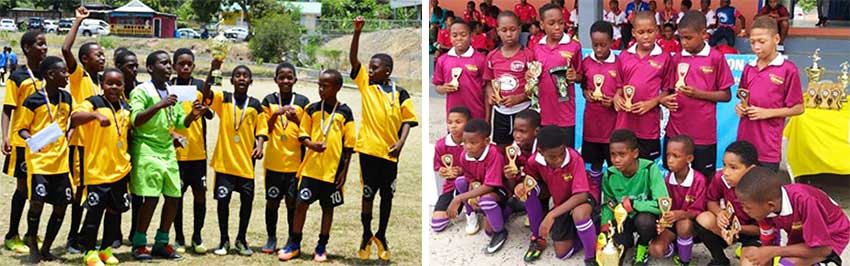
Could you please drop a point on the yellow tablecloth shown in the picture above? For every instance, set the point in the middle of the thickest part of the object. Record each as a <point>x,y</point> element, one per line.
<point>819,141</point>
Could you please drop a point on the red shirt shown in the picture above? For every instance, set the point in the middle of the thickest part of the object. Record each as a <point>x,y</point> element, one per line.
<point>486,169</point>
<point>707,71</point>
<point>563,181</point>
<point>565,12</point>
<point>719,189</point>
<point>444,38</point>
<point>470,91</point>
<point>779,11</point>
<point>472,16</point>
<point>670,46</point>
<point>648,75</point>
<point>604,118</point>
<point>446,145</point>
<point>536,38</point>
<point>810,216</point>
<point>775,86</point>
<point>526,13</point>
<point>510,72</point>
<point>552,110</point>
<point>689,195</point>
<point>490,21</point>
<point>482,41</point>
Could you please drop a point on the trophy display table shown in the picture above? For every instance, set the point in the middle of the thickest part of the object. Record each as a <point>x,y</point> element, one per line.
<point>819,142</point>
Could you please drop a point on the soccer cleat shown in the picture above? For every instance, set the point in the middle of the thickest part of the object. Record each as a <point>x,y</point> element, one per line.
<point>321,254</point>
<point>199,248</point>
<point>72,249</point>
<point>472,223</point>
<point>678,261</point>
<point>17,245</point>
<point>243,249</point>
<point>180,248</point>
<point>591,262</point>
<point>142,253</point>
<point>222,248</point>
<point>535,248</point>
<point>166,252</point>
<point>270,247</point>
<point>641,256</point>
<point>497,241</point>
<point>107,257</point>
<point>365,248</point>
<point>738,252</point>
<point>383,249</point>
<point>289,252</point>
<point>91,259</point>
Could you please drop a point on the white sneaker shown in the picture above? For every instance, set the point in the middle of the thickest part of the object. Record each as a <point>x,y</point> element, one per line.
<point>472,223</point>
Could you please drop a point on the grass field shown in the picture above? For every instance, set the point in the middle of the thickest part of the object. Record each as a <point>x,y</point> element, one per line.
<point>345,235</point>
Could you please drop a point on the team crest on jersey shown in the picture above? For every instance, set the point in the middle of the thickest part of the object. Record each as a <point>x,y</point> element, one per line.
<point>566,55</point>
<point>654,64</point>
<point>690,198</point>
<point>707,69</point>
<point>508,82</point>
<point>472,68</point>
<point>568,177</point>
<point>776,79</point>
<point>796,225</point>
<point>517,66</point>
<point>613,73</point>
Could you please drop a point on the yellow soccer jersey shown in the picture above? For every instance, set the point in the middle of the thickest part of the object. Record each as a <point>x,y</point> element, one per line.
<point>236,140</point>
<point>82,86</point>
<point>19,86</point>
<point>339,124</point>
<point>384,111</point>
<point>53,158</point>
<point>283,150</point>
<point>106,159</point>
<point>196,134</point>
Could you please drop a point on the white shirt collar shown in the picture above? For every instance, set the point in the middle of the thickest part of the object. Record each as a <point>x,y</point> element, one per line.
<point>655,50</point>
<point>565,39</point>
<point>479,159</point>
<point>451,142</point>
<point>611,58</point>
<point>778,61</point>
<point>704,52</point>
<point>689,179</point>
<point>468,52</point>
<point>539,158</point>
<point>725,183</point>
<point>786,205</point>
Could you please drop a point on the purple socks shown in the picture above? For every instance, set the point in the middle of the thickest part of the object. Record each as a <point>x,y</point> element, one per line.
<point>587,236</point>
<point>684,247</point>
<point>535,212</point>
<point>438,225</point>
<point>492,212</point>
<point>462,187</point>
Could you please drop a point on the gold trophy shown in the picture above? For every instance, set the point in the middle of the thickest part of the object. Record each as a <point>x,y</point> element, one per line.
<point>629,93</point>
<point>731,232</point>
<point>608,253</point>
<point>456,71</point>
<point>218,49</point>
<point>497,89</point>
<point>814,71</point>
<point>474,185</point>
<point>620,215</point>
<point>836,96</point>
<point>447,160</point>
<point>512,152</point>
<point>824,92</point>
<point>535,68</point>
<point>844,80</point>
<point>813,97</point>
<point>598,81</point>
<point>559,76</point>
<point>529,183</point>
<point>744,95</point>
<point>664,204</point>
<point>682,70</point>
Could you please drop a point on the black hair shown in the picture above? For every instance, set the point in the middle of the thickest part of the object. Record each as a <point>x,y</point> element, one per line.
<point>624,136</point>
<point>687,3</point>
<point>470,3</point>
<point>603,27</point>
<point>29,38</point>
<point>151,59</point>
<point>450,14</point>
<point>121,55</point>
<point>110,70</point>
<point>510,14</point>
<point>536,24</point>
<point>493,11</point>
<point>529,115</point>
<point>85,49</point>
<point>693,20</point>
<point>386,59</point>
<point>119,50</point>
<point>551,137</point>
<point>548,7</point>
<point>646,14</point>
<point>745,151</point>
<point>437,10</point>
<point>765,22</point>
<point>49,63</point>
<point>457,22</point>
<point>760,184</point>
<point>337,77</point>
<point>685,140</point>
<point>669,25</point>
<point>477,126</point>
<point>460,109</point>
<point>182,51</point>
<point>250,74</point>
<point>284,65</point>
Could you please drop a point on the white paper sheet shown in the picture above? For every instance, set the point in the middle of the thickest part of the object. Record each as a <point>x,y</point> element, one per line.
<point>185,93</point>
<point>46,136</point>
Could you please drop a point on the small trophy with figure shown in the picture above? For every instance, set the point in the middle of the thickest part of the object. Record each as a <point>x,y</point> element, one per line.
<point>814,71</point>
<point>535,68</point>
<point>218,49</point>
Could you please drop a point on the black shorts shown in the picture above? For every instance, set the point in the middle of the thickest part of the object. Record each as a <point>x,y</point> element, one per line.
<point>15,164</point>
<point>444,200</point>
<point>226,184</point>
<point>193,174</point>
<point>503,128</point>
<point>111,196</point>
<point>832,259</point>
<point>649,149</point>
<point>749,241</point>
<point>564,227</point>
<point>378,175</point>
<point>595,152</point>
<point>704,158</point>
<point>52,189</point>
<point>76,164</point>
<point>280,184</point>
<point>310,190</point>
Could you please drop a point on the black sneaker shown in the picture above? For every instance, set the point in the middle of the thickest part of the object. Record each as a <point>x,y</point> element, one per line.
<point>535,248</point>
<point>166,252</point>
<point>142,253</point>
<point>590,262</point>
<point>719,262</point>
<point>497,241</point>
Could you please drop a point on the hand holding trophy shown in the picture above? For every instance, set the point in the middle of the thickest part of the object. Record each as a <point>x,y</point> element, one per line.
<point>218,49</point>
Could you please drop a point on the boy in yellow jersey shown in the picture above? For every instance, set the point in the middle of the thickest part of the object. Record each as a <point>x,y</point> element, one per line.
<point>327,130</point>
<point>239,144</point>
<point>282,112</point>
<point>192,159</point>
<point>84,83</point>
<point>105,121</point>
<point>388,115</point>
<point>21,84</point>
<point>48,109</point>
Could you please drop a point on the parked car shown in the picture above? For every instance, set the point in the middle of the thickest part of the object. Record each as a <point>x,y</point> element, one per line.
<point>187,33</point>
<point>50,26</point>
<point>8,25</point>
<point>35,23</point>
<point>65,25</point>
<point>91,27</point>
<point>236,33</point>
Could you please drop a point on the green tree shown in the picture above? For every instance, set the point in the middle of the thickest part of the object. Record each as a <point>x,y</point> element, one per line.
<point>204,10</point>
<point>276,36</point>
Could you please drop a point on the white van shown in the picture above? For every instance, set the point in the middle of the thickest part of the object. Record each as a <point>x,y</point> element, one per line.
<point>91,27</point>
